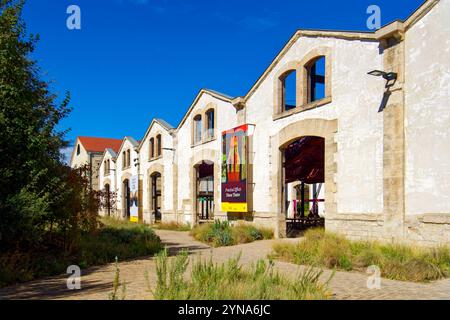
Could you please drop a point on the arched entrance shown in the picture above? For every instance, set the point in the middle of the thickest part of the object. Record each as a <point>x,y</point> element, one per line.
<point>126,196</point>
<point>204,191</point>
<point>303,180</point>
<point>155,195</point>
<point>308,127</point>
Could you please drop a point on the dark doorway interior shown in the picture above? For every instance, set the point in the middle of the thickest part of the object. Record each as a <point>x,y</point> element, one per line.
<point>304,181</point>
<point>156,196</point>
<point>126,198</point>
<point>205,191</point>
<point>108,199</point>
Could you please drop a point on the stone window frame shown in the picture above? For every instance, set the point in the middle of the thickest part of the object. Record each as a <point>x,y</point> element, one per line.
<point>194,142</point>
<point>151,148</point>
<point>301,67</point>
<point>155,149</point>
<point>155,168</point>
<point>205,138</point>
<point>107,167</point>
<point>126,159</point>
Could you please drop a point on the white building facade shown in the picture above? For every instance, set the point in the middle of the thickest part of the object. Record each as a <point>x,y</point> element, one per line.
<point>370,156</point>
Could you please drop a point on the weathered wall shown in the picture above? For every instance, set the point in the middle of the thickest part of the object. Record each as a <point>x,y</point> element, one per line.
<point>360,131</point>
<point>427,116</point>
<point>163,165</point>
<point>124,173</point>
<point>108,178</point>
<point>188,155</point>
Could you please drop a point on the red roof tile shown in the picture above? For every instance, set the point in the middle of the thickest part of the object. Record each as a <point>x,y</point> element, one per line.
<point>100,144</point>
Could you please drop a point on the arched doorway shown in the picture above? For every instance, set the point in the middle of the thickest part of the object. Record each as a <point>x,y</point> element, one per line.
<point>108,199</point>
<point>155,195</point>
<point>126,196</point>
<point>204,191</point>
<point>303,183</point>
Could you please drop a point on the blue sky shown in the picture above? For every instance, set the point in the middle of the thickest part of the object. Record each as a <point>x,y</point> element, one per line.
<point>134,60</point>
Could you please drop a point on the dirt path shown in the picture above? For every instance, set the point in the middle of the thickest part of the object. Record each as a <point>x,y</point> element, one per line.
<point>96,282</point>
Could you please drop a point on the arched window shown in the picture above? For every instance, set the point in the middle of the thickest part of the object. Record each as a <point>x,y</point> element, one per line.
<point>288,90</point>
<point>124,159</point>
<point>197,128</point>
<point>128,157</point>
<point>78,150</point>
<point>210,124</point>
<point>316,79</point>
<point>158,145</point>
<point>151,146</point>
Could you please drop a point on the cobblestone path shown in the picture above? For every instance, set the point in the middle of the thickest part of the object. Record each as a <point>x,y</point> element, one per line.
<point>96,282</point>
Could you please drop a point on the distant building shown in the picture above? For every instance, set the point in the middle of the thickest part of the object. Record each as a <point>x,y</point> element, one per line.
<point>89,151</point>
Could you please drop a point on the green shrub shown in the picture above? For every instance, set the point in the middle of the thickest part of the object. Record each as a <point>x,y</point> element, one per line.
<point>229,281</point>
<point>220,234</point>
<point>123,239</point>
<point>396,261</point>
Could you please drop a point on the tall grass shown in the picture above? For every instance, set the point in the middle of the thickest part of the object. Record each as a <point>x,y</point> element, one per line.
<point>229,281</point>
<point>113,238</point>
<point>396,261</point>
<point>174,226</point>
<point>220,234</point>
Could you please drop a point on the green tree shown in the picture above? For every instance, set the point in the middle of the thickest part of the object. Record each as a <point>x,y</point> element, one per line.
<point>33,187</point>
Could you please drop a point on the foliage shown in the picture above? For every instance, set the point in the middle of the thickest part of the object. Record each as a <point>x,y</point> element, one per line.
<point>396,261</point>
<point>34,193</point>
<point>220,233</point>
<point>229,281</point>
<point>112,239</point>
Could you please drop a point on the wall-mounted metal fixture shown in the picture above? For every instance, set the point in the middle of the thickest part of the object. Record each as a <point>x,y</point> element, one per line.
<point>391,78</point>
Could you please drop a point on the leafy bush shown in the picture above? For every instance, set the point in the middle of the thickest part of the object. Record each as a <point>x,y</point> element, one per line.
<point>220,234</point>
<point>396,261</point>
<point>229,281</point>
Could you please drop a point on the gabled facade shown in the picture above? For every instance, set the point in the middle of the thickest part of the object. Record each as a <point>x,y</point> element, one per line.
<point>126,167</point>
<point>89,151</point>
<point>326,142</point>
<point>156,165</point>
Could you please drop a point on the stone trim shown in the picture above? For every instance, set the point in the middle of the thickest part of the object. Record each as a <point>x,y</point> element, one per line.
<point>308,127</point>
<point>204,155</point>
<point>301,67</point>
<point>155,168</point>
<point>202,113</point>
<point>122,210</point>
<point>394,143</point>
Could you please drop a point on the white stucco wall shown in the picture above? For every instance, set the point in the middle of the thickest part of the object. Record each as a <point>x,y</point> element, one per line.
<point>80,159</point>
<point>166,160</point>
<point>360,137</point>
<point>121,172</point>
<point>107,178</point>
<point>225,119</point>
<point>427,113</point>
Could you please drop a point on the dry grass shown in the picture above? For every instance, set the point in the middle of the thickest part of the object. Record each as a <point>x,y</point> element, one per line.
<point>220,234</point>
<point>229,281</point>
<point>398,262</point>
<point>174,226</point>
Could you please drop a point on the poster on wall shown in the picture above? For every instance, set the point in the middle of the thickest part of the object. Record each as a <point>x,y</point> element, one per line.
<point>134,196</point>
<point>234,170</point>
